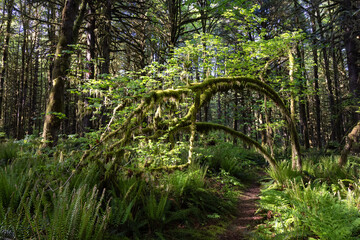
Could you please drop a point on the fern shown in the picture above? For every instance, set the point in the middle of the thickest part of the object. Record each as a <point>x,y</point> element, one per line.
<point>156,210</point>
<point>8,152</point>
<point>81,218</point>
<point>310,210</point>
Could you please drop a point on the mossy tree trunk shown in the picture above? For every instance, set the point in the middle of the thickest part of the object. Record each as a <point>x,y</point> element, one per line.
<point>267,114</point>
<point>193,127</point>
<point>350,139</point>
<point>106,38</point>
<point>296,164</point>
<point>72,18</point>
<point>292,83</point>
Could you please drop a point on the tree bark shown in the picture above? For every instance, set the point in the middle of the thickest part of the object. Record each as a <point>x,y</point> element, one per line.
<point>351,18</point>
<point>235,115</point>
<point>85,114</point>
<point>316,82</point>
<point>3,72</point>
<point>350,139</point>
<point>296,158</point>
<point>327,74</point>
<point>302,99</point>
<point>71,20</point>
<point>106,39</point>
<point>292,83</point>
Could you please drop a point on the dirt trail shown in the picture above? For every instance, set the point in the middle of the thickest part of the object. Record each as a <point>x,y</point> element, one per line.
<point>245,218</point>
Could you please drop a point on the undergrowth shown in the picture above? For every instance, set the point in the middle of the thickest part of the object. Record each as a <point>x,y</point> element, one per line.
<point>321,202</point>
<point>237,161</point>
<point>48,196</point>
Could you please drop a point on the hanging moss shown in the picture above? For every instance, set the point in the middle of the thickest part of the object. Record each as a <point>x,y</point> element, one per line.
<point>224,84</point>
<point>203,93</point>
<point>193,127</point>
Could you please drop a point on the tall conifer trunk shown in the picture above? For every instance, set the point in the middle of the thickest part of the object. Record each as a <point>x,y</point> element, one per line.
<point>5,53</point>
<point>351,28</point>
<point>71,20</point>
<point>316,80</point>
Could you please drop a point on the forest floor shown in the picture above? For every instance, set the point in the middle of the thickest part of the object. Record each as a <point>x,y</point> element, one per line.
<point>246,218</point>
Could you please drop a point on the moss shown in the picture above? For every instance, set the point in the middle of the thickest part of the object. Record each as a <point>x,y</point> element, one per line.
<point>160,96</point>
<point>193,127</point>
<point>203,93</point>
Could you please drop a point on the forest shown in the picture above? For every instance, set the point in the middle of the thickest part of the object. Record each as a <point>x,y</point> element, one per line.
<point>180,119</point>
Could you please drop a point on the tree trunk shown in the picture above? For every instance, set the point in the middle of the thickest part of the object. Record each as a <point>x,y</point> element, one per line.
<point>351,32</point>
<point>269,130</point>
<point>4,64</point>
<point>292,84</point>
<point>316,83</point>
<point>302,99</point>
<point>85,114</point>
<point>24,77</point>
<point>295,150</point>
<point>71,21</point>
<point>327,74</point>
<point>350,139</point>
<point>235,115</point>
<point>106,40</point>
<point>52,39</point>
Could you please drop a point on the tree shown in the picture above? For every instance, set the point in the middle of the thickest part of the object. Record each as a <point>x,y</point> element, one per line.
<point>350,139</point>
<point>4,64</point>
<point>351,21</point>
<point>72,18</point>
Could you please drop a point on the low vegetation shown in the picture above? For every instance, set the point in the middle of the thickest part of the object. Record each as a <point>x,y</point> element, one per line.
<point>51,197</point>
<point>321,202</point>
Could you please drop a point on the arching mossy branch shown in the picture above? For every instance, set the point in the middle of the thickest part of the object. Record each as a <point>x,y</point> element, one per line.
<point>211,86</point>
<point>203,93</point>
<point>152,98</point>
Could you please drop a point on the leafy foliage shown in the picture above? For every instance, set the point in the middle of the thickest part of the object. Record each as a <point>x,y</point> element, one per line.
<point>8,152</point>
<point>235,160</point>
<point>319,203</point>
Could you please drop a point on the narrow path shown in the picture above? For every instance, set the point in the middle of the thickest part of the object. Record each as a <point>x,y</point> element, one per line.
<point>245,218</point>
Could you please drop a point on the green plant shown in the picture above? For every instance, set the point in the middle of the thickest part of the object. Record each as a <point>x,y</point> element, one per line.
<point>82,217</point>
<point>156,209</point>
<point>8,152</point>
<point>283,174</point>
<point>309,211</point>
<point>237,161</point>
<point>179,182</point>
